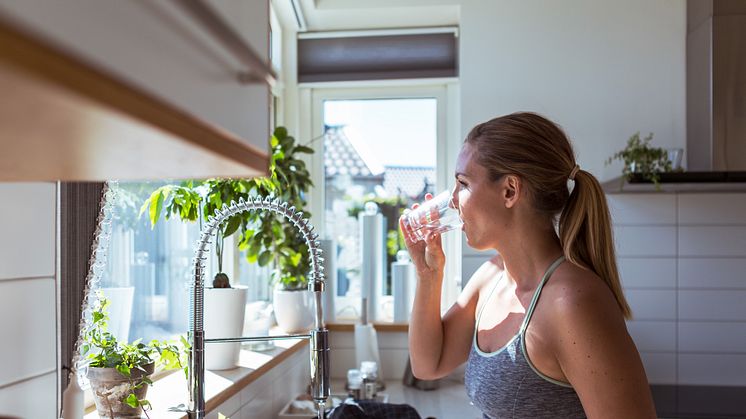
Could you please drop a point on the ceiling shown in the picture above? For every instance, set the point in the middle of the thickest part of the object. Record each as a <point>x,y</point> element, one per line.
<point>337,15</point>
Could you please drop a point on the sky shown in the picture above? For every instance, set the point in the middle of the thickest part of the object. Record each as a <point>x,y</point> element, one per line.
<point>388,132</point>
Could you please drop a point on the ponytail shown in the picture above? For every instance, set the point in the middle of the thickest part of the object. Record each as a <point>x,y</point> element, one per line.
<point>586,236</point>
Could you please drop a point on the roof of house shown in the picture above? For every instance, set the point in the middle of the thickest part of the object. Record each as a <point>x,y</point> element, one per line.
<point>340,157</point>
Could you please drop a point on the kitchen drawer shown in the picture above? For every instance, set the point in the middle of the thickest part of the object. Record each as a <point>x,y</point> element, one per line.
<point>660,367</point>
<point>642,209</point>
<point>645,241</point>
<point>153,45</point>
<point>652,304</point>
<point>712,369</point>
<point>647,272</point>
<point>653,336</point>
<point>715,208</point>
<point>728,337</point>
<point>712,305</point>
<point>29,209</point>
<point>715,241</point>
<point>712,273</point>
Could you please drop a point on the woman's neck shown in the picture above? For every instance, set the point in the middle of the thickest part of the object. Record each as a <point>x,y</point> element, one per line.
<point>528,253</point>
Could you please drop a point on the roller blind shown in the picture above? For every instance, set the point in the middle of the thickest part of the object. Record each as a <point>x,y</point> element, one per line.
<point>377,57</point>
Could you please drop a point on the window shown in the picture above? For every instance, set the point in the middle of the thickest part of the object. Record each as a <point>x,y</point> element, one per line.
<point>385,145</point>
<point>149,271</point>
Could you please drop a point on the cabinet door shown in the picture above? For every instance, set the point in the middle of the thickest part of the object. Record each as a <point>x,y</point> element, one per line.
<point>154,45</point>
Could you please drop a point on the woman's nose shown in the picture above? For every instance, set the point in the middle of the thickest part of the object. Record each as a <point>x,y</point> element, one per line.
<point>454,198</point>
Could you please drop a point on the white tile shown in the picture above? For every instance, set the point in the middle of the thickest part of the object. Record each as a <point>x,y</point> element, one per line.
<point>712,369</point>
<point>712,337</point>
<point>341,339</point>
<point>647,241</point>
<point>393,362</point>
<point>712,305</point>
<point>647,272</point>
<point>291,384</point>
<point>660,367</point>
<point>392,340</point>
<point>712,208</point>
<point>653,336</point>
<point>712,273</point>
<point>652,304</point>
<point>27,321</point>
<point>229,408</point>
<point>28,230</point>
<point>36,398</point>
<point>260,407</point>
<point>712,241</point>
<point>631,209</point>
<point>342,360</point>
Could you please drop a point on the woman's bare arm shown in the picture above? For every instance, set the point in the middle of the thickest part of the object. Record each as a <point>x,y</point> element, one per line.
<point>597,355</point>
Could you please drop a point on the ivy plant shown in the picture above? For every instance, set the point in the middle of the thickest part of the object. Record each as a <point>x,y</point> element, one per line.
<point>640,158</point>
<point>103,350</point>
<point>265,237</point>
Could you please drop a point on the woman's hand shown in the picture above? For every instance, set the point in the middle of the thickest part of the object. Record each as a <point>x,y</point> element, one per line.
<point>427,255</point>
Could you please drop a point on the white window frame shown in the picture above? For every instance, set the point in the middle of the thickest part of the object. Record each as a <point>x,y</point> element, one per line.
<point>446,92</point>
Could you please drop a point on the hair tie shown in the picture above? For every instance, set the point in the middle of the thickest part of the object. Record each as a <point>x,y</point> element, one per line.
<point>574,172</point>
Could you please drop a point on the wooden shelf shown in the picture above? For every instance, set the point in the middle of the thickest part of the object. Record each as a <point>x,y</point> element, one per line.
<point>63,119</point>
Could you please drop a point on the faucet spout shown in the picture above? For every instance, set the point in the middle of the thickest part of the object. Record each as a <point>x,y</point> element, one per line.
<point>319,336</point>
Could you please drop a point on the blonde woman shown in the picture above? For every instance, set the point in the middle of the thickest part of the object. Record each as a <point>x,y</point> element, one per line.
<point>541,325</point>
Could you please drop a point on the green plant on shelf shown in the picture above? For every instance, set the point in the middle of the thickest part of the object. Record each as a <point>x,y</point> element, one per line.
<point>639,158</point>
<point>103,350</point>
<point>264,236</point>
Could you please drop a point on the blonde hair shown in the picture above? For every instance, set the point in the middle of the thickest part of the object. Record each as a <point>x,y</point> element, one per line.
<point>538,151</point>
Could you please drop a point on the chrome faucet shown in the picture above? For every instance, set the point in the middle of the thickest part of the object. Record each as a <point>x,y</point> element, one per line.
<point>319,336</point>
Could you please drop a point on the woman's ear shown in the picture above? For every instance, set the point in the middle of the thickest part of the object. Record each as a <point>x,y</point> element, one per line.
<point>511,190</point>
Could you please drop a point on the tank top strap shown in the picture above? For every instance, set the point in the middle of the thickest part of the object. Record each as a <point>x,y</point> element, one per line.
<point>535,298</point>
<point>481,309</point>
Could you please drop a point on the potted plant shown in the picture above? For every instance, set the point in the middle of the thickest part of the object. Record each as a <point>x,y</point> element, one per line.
<point>640,159</point>
<point>119,372</point>
<point>265,237</point>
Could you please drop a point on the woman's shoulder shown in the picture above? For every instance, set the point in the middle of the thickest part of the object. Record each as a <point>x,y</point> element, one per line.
<point>484,276</point>
<point>488,271</point>
<point>579,291</point>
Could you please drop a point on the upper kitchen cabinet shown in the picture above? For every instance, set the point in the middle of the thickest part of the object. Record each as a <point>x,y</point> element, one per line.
<point>97,90</point>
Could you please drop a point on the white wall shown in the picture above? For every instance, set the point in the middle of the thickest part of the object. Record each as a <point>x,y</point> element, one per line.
<point>682,259</point>
<point>28,348</point>
<point>601,69</point>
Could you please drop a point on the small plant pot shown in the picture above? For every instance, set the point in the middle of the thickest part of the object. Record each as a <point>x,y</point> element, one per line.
<point>110,391</point>
<point>293,310</point>
<point>224,313</point>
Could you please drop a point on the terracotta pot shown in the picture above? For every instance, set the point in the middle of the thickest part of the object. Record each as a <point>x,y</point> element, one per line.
<point>110,390</point>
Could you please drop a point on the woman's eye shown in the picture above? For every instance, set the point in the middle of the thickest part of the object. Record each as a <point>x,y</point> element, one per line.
<point>462,183</point>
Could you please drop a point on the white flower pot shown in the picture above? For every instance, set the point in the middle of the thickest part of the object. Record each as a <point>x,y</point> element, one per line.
<point>223,318</point>
<point>293,310</point>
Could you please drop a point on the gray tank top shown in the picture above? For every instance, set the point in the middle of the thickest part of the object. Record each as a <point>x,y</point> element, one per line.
<point>505,384</point>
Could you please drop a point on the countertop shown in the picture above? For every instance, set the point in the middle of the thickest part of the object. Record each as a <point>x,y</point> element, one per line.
<point>618,186</point>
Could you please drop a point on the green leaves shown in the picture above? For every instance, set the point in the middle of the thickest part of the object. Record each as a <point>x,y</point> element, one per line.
<point>264,237</point>
<point>104,351</point>
<point>640,158</point>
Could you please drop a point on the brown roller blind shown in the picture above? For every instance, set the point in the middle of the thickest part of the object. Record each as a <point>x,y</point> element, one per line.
<point>377,57</point>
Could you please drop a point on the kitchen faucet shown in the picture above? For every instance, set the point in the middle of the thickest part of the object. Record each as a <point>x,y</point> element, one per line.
<point>319,336</point>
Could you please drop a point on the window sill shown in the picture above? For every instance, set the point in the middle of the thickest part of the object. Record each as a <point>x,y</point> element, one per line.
<point>172,390</point>
<point>349,326</point>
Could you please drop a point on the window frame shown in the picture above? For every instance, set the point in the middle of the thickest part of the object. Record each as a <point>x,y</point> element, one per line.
<point>446,92</point>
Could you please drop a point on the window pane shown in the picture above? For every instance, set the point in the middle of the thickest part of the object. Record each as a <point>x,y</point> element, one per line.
<point>380,150</point>
<point>149,270</point>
